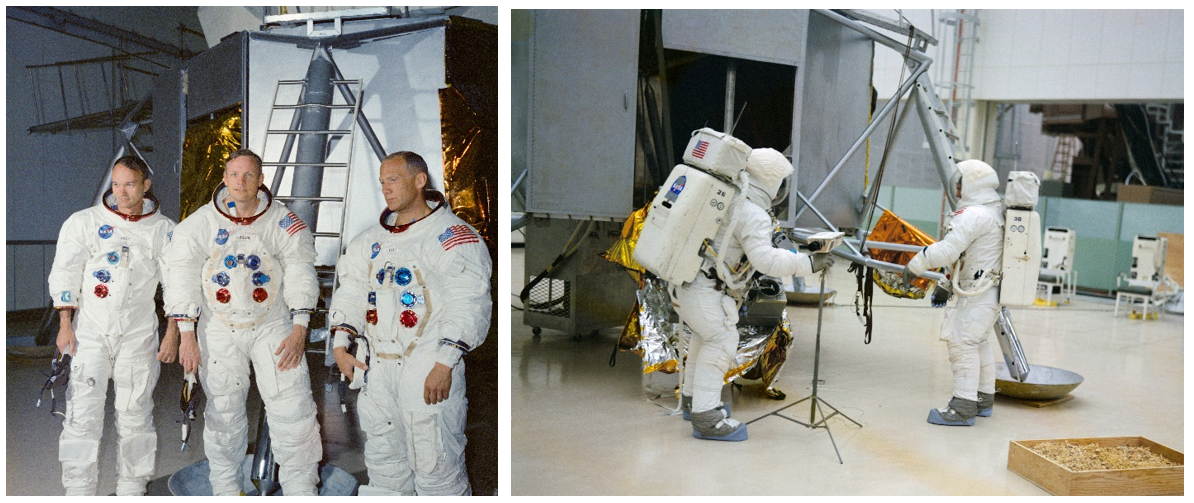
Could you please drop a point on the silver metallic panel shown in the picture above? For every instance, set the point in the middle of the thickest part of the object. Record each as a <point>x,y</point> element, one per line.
<point>835,109</point>
<point>773,36</point>
<point>216,77</point>
<point>168,128</point>
<point>584,68</point>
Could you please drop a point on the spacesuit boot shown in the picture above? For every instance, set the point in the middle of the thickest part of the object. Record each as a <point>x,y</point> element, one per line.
<point>959,412</point>
<point>986,402</point>
<point>686,407</point>
<point>715,424</point>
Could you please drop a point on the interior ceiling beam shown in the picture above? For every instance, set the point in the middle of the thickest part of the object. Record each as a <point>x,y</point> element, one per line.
<point>91,30</point>
<point>100,120</point>
<point>104,59</point>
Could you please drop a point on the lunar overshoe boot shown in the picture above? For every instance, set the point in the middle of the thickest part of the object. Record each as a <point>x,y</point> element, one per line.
<point>986,402</point>
<point>714,424</point>
<point>959,412</point>
<point>686,407</point>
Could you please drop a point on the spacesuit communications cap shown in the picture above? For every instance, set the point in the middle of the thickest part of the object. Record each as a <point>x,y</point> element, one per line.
<point>768,169</point>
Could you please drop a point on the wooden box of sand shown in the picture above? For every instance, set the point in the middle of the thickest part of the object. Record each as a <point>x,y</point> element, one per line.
<point>1122,466</point>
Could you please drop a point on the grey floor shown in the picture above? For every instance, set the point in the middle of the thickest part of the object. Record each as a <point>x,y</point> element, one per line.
<point>579,426</point>
<point>31,440</point>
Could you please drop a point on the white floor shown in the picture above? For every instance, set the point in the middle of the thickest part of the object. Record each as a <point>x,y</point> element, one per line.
<point>579,426</point>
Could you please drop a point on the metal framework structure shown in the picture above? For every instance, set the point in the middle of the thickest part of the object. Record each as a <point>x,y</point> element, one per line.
<point>69,23</point>
<point>133,54</point>
<point>934,118</point>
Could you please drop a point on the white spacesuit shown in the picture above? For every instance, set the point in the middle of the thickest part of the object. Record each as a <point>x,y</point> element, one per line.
<point>248,276</point>
<point>107,266</point>
<point>710,309</point>
<point>419,295</point>
<point>974,240</point>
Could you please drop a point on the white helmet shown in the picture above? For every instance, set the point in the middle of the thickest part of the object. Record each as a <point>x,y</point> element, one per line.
<point>979,183</point>
<point>768,169</point>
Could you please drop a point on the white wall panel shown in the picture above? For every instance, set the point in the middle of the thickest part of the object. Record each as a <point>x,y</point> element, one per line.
<point>1064,55</point>
<point>1100,55</point>
<point>1062,27</point>
<point>1173,79</point>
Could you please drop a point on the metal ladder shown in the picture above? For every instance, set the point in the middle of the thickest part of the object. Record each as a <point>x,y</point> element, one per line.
<point>1063,156</point>
<point>1170,140</point>
<point>326,274</point>
<point>956,73</point>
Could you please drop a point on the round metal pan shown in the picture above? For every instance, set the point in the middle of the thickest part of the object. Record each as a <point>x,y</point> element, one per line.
<point>1043,383</point>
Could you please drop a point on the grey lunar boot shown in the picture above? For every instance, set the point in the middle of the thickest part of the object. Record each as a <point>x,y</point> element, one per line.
<point>959,412</point>
<point>714,424</point>
<point>986,402</point>
<point>686,407</point>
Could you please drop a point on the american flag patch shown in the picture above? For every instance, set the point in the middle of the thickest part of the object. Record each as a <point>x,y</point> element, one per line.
<point>699,150</point>
<point>292,223</point>
<point>457,234</point>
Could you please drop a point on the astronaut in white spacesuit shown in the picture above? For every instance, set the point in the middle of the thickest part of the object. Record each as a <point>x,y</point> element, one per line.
<point>974,240</point>
<point>242,267</point>
<point>106,271</point>
<point>414,295</point>
<point>710,308</point>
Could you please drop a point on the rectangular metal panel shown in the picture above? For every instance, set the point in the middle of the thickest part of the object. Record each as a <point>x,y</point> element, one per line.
<point>520,64</point>
<point>168,127</point>
<point>401,78</point>
<point>585,292</point>
<point>774,36</point>
<point>11,276</point>
<point>32,291</point>
<point>582,123</point>
<point>216,77</point>
<point>835,110</point>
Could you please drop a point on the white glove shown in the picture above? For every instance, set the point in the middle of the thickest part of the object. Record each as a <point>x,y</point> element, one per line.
<point>821,261</point>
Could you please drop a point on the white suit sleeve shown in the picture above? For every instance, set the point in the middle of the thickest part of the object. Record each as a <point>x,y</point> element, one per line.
<point>300,287</point>
<point>161,245</point>
<point>70,258</point>
<point>464,323</point>
<point>350,300</point>
<point>754,232</point>
<point>957,238</point>
<point>185,254</point>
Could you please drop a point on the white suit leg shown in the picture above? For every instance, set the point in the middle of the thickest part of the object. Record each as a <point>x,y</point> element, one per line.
<point>964,363</point>
<point>691,357</point>
<point>386,447</point>
<point>966,333</point>
<point>713,318</point>
<point>290,410</point>
<point>224,373</point>
<point>134,376</point>
<point>986,360</point>
<point>434,433</point>
<point>87,390</point>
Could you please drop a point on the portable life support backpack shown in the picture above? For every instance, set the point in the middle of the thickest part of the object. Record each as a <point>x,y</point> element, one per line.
<point>691,205</point>
<point>1021,240</point>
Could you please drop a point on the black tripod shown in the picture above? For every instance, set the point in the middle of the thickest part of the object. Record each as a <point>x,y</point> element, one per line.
<point>815,401</point>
